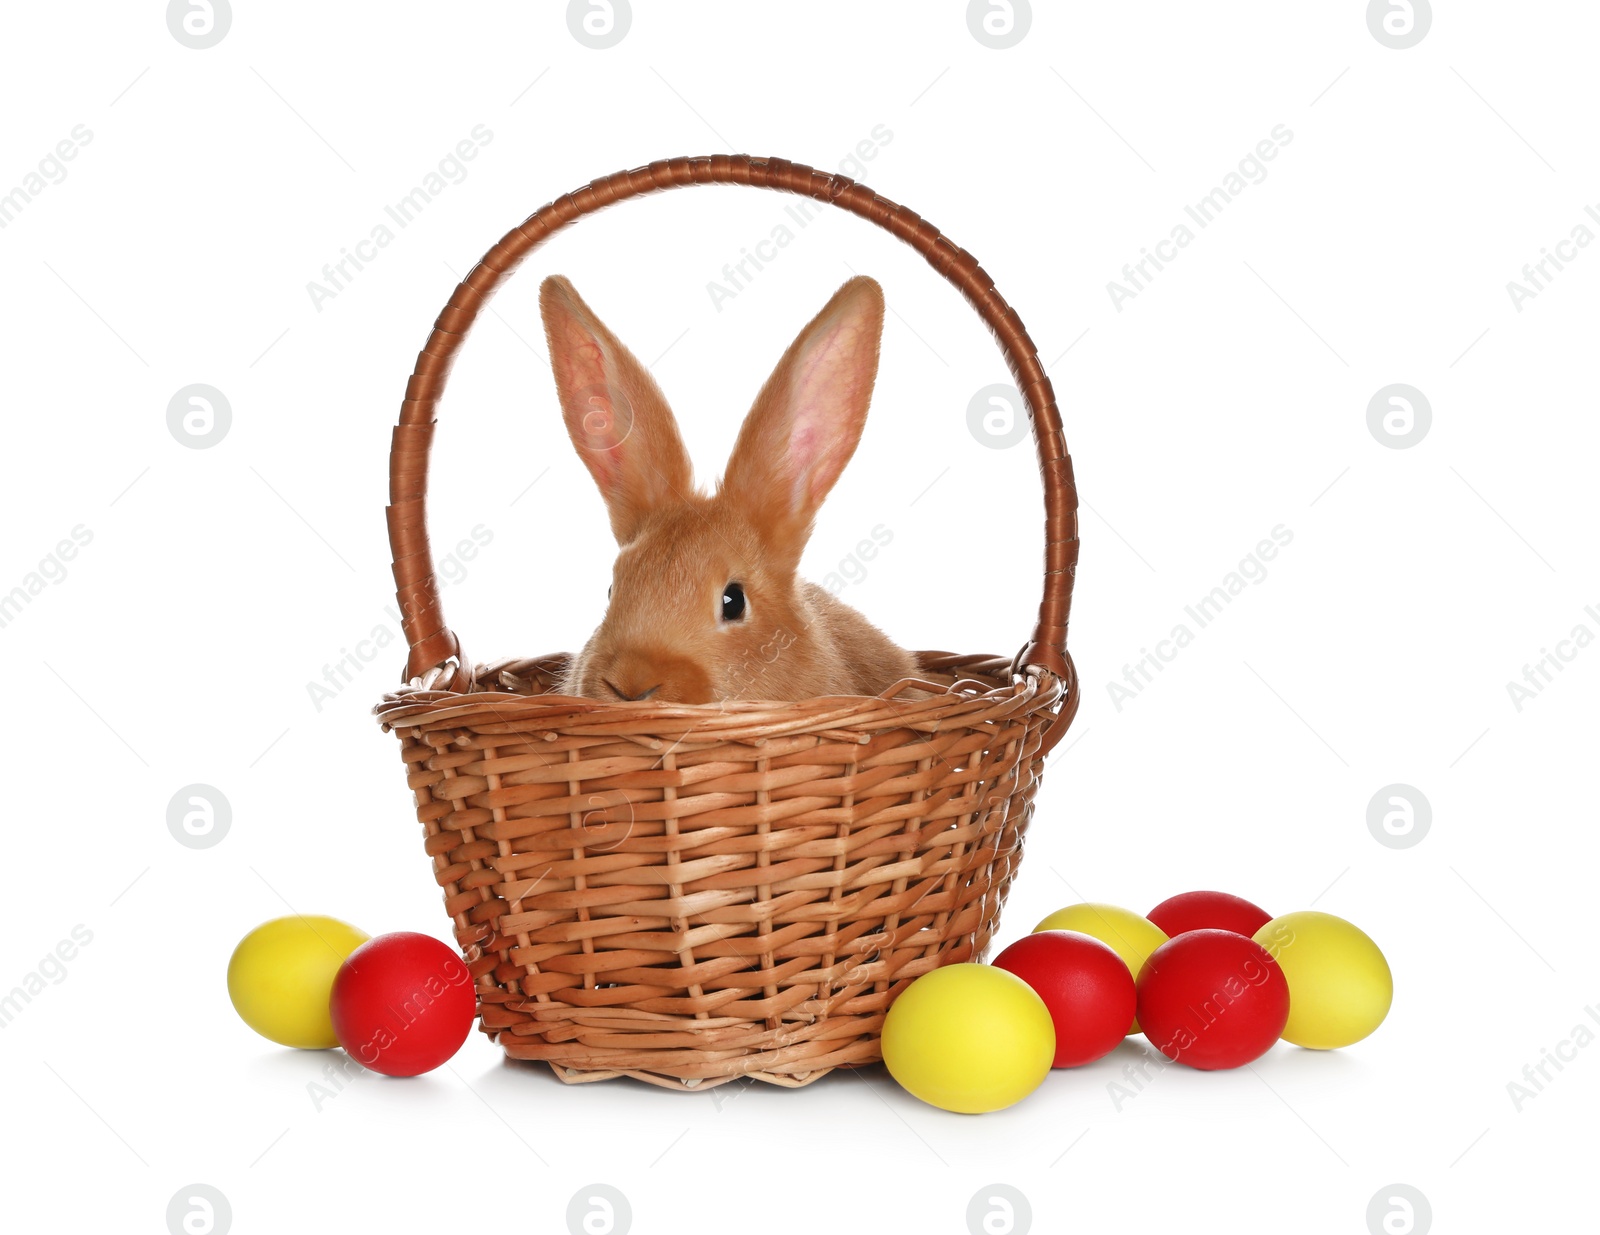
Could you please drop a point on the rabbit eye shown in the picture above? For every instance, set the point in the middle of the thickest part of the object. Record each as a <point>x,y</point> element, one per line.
<point>732,602</point>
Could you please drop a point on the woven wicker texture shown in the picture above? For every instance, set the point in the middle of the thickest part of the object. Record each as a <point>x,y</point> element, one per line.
<point>691,894</point>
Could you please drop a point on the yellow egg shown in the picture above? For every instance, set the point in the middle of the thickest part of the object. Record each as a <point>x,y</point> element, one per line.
<point>280,976</point>
<point>1340,986</point>
<point>969,1038</point>
<point>1129,935</point>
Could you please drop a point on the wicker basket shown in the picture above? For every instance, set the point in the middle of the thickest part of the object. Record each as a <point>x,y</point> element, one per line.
<point>688,894</point>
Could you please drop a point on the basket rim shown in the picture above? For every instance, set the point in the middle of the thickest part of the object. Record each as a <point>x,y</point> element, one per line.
<point>432,700</point>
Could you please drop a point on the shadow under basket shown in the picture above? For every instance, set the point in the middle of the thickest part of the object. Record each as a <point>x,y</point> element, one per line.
<point>689,894</point>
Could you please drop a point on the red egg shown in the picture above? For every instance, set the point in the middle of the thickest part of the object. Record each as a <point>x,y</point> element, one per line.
<point>1087,988</point>
<point>1212,999</point>
<point>1199,911</point>
<point>402,1003</point>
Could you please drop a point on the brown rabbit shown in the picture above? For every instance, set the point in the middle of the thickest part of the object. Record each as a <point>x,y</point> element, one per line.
<point>705,605</point>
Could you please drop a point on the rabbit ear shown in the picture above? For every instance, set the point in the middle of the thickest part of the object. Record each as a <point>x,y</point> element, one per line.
<point>615,413</point>
<point>807,419</point>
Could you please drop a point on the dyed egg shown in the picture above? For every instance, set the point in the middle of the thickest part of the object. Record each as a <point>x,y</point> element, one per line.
<point>1200,911</point>
<point>403,1003</point>
<point>1340,987</point>
<point>1084,984</point>
<point>969,1038</point>
<point>281,974</point>
<point>1212,999</point>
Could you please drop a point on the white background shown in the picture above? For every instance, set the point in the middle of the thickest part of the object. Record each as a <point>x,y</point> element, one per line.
<point>1227,398</point>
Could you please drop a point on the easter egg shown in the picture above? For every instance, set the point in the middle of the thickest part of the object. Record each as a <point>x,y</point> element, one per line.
<point>1340,987</point>
<point>969,1038</point>
<point>1198,911</point>
<point>281,973</point>
<point>1212,999</point>
<point>1087,988</point>
<point>403,1003</point>
<point>1127,934</point>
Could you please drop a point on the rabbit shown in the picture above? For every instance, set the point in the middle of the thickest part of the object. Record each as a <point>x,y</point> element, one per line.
<point>705,605</point>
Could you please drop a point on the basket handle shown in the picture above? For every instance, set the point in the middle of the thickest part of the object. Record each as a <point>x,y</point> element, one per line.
<point>433,645</point>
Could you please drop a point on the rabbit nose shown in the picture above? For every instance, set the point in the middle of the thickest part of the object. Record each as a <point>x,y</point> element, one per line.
<point>631,698</point>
